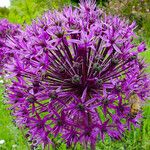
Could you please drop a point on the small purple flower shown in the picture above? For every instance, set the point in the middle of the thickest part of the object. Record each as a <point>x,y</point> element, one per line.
<point>142,47</point>
<point>72,74</point>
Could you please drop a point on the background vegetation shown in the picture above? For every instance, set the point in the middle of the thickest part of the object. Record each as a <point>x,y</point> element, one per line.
<point>23,11</point>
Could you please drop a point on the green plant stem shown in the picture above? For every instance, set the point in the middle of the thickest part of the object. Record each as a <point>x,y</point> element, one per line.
<point>26,142</point>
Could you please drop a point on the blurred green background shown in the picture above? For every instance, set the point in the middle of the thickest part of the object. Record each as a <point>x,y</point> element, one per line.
<point>23,12</point>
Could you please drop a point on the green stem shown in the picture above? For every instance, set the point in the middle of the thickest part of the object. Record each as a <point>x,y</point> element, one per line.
<point>26,142</point>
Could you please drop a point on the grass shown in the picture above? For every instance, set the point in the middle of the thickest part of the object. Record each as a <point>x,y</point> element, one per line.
<point>136,139</point>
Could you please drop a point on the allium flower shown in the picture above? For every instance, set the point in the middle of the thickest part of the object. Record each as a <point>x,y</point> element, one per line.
<point>72,75</point>
<point>6,31</point>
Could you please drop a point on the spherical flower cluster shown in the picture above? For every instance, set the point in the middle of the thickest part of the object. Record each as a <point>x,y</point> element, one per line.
<point>72,75</point>
<point>7,30</point>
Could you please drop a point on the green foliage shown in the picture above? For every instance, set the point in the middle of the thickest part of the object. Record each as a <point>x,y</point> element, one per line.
<point>57,4</point>
<point>4,12</point>
<point>23,11</point>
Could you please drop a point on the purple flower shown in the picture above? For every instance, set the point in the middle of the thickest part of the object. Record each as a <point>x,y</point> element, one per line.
<point>142,47</point>
<point>72,75</point>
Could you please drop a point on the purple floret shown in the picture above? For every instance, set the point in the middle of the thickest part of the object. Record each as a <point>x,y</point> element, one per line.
<point>7,30</point>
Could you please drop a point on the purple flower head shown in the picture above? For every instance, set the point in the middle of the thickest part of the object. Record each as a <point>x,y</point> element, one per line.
<point>73,73</point>
<point>7,30</point>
